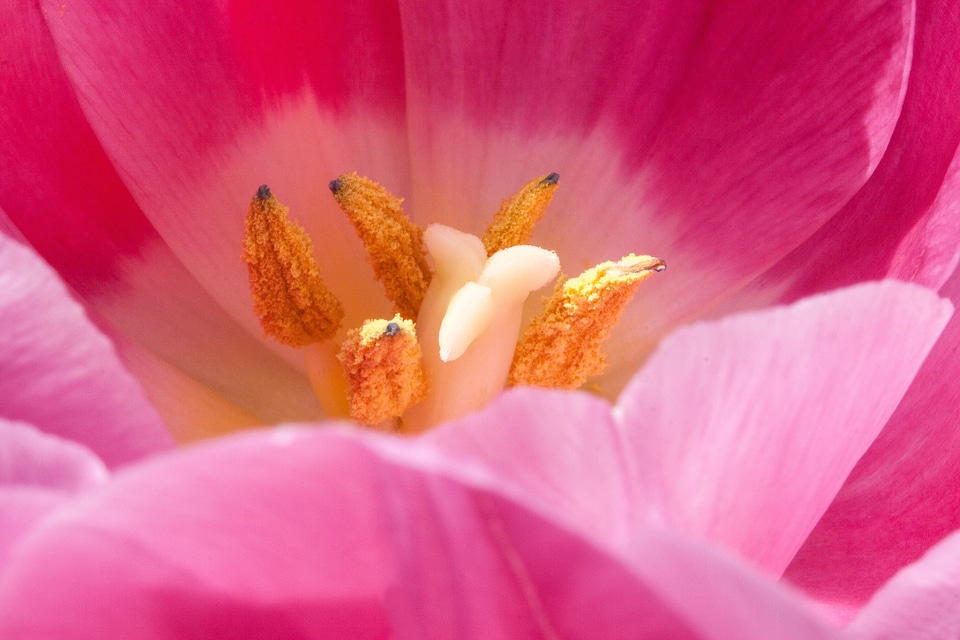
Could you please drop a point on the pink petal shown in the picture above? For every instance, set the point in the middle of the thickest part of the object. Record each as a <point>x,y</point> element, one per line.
<point>915,189</point>
<point>230,97</point>
<point>902,496</point>
<point>330,533</point>
<point>563,448</point>
<point>38,473</point>
<point>920,602</point>
<point>33,458</point>
<point>746,428</point>
<point>716,136</point>
<point>83,220</point>
<point>59,373</point>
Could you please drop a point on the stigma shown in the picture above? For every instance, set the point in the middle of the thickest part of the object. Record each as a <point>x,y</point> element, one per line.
<point>457,338</point>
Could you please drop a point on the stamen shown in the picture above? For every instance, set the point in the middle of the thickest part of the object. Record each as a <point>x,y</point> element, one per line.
<point>562,347</point>
<point>394,244</point>
<point>514,222</point>
<point>382,363</point>
<point>289,296</point>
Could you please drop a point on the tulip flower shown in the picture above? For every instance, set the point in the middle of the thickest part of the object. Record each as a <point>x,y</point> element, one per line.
<point>767,154</point>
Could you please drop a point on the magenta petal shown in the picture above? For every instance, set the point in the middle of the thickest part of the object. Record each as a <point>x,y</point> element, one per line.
<point>919,602</point>
<point>60,189</point>
<point>903,495</point>
<point>746,428</point>
<point>335,534</point>
<point>59,373</point>
<point>227,97</point>
<point>718,136</point>
<point>904,222</point>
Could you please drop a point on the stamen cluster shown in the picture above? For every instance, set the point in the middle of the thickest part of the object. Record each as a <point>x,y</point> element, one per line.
<point>453,344</point>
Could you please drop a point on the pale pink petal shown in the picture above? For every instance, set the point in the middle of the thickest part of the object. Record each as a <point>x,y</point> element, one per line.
<point>920,602</point>
<point>564,448</point>
<point>905,222</point>
<point>30,457</point>
<point>716,136</point>
<point>38,473</point>
<point>903,495</point>
<point>719,597</point>
<point>59,373</point>
<point>357,536</point>
<point>229,96</point>
<point>60,189</point>
<point>746,428</point>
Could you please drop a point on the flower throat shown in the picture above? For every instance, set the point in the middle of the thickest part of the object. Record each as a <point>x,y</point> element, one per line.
<point>456,340</point>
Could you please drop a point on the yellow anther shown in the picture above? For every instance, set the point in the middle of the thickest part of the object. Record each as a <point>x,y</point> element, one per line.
<point>394,244</point>
<point>563,346</point>
<point>382,363</point>
<point>290,298</point>
<point>514,222</point>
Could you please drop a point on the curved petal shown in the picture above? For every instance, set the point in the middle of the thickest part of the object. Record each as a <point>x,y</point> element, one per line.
<point>563,448</point>
<point>718,136</point>
<point>902,496</point>
<point>38,473</point>
<point>59,188</point>
<point>746,428</point>
<point>59,373</point>
<point>228,96</point>
<point>31,457</point>
<point>920,602</point>
<point>915,189</point>
<point>414,545</point>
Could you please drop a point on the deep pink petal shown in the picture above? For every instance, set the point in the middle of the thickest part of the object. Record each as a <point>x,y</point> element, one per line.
<point>228,97</point>
<point>905,222</point>
<point>717,136</point>
<point>357,536</point>
<point>38,473</point>
<point>903,495</point>
<point>920,602</point>
<point>59,188</point>
<point>59,373</point>
<point>746,428</point>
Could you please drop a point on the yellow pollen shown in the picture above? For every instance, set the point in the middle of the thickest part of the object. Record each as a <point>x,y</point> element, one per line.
<point>289,297</point>
<point>513,224</point>
<point>382,363</point>
<point>394,244</point>
<point>563,346</point>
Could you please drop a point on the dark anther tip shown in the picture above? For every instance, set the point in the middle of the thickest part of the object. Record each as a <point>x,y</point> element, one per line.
<point>553,178</point>
<point>660,267</point>
<point>335,186</point>
<point>263,192</point>
<point>392,329</point>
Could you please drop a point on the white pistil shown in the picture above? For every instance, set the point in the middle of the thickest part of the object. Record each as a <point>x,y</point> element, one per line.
<point>470,321</point>
<point>469,314</point>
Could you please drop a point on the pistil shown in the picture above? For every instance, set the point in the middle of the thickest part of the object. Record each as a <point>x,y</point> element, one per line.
<point>476,319</point>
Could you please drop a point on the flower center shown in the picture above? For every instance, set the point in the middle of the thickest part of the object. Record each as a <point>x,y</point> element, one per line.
<point>453,344</point>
